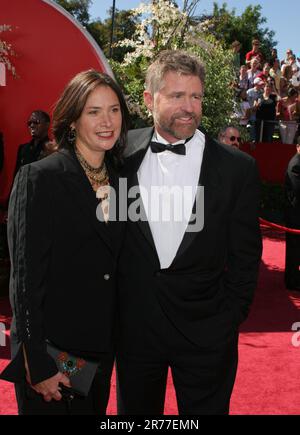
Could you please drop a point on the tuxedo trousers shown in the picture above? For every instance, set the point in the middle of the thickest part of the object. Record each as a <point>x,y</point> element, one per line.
<point>203,377</point>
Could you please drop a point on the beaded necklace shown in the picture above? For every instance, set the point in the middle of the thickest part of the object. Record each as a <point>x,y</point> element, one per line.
<point>97,176</point>
<point>99,179</point>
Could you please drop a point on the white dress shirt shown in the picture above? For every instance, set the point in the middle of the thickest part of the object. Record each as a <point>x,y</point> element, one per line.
<point>168,183</point>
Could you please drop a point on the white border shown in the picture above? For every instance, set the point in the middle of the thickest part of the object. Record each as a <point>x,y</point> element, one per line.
<point>85,33</point>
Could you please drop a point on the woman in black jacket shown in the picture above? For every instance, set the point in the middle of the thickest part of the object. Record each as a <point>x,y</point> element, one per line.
<point>64,245</point>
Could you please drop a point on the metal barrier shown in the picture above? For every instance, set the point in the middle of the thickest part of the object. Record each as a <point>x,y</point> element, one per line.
<point>286,129</point>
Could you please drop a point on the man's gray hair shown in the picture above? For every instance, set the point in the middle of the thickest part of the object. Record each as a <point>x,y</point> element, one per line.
<point>178,61</point>
<point>223,130</point>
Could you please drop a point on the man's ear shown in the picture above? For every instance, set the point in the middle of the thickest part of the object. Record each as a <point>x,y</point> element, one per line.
<point>148,99</point>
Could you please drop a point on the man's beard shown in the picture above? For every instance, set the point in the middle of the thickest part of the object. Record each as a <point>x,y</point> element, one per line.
<point>178,131</point>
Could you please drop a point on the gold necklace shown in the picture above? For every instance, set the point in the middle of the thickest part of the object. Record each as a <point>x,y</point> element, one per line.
<point>97,176</point>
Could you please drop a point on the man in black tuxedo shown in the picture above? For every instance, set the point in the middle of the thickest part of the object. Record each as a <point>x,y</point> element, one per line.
<point>186,281</point>
<point>292,219</point>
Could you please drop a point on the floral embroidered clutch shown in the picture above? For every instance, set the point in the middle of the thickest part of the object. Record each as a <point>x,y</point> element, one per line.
<point>81,372</point>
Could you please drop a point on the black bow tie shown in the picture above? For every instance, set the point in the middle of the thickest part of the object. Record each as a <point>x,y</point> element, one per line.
<point>157,147</point>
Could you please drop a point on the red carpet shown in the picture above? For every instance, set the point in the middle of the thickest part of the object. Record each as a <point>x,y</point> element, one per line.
<point>268,380</point>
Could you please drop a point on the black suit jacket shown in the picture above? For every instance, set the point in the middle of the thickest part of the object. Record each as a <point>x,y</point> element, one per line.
<point>207,290</point>
<point>63,277</point>
<point>30,152</point>
<point>292,192</point>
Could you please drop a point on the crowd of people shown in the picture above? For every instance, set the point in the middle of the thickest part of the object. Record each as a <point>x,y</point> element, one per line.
<point>267,94</point>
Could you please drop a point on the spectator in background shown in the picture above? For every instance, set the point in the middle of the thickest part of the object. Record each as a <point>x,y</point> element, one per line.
<point>243,78</point>
<point>230,136</point>
<point>284,87</point>
<point>265,74</point>
<point>274,55</point>
<point>289,52</point>
<point>285,112</point>
<point>287,71</point>
<point>255,53</point>
<point>236,47</point>
<point>253,95</point>
<point>243,109</point>
<point>275,73</point>
<point>293,63</point>
<point>253,72</point>
<point>295,79</point>
<point>295,110</point>
<point>38,125</point>
<point>266,114</point>
<point>292,220</point>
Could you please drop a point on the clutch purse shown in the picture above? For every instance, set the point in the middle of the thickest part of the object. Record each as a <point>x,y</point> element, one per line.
<point>81,372</point>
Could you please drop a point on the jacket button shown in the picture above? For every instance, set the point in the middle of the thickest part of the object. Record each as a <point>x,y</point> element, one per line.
<point>106,277</point>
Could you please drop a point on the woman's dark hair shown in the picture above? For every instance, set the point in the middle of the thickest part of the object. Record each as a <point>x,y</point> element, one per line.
<point>70,105</point>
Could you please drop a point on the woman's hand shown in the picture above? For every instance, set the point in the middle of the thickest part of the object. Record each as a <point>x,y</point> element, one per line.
<point>50,388</point>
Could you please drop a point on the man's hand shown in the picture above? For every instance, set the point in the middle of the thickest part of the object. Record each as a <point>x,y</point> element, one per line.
<point>50,387</point>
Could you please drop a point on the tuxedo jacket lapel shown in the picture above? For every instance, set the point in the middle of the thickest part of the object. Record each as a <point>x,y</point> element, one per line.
<point>139,145</point>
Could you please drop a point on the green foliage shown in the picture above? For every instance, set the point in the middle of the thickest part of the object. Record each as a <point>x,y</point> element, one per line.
<point>143,32</point>
<point>78,8</point>
<point>170,28</point>
<point>124,27</point>
<point>228,27</point>
<point>218,99</point>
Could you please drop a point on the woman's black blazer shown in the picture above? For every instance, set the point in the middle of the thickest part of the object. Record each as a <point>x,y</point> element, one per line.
<point>63,275</point>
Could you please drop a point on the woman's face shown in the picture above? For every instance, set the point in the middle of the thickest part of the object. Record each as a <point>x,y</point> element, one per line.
<point>268,89</point>
<point>99,125</point>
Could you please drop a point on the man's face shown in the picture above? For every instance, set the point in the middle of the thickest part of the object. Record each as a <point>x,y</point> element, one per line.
<point>260,86</point>
<point>177,106</point>
<point>243,70</point>
<point>256,48</point>
<point>38,128</point>
<point>292,60</point>
<point>231,137</point>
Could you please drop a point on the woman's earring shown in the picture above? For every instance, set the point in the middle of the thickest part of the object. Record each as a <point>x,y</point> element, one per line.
<point>72,136</point>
